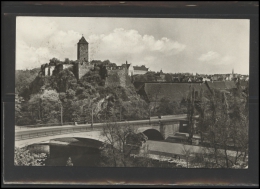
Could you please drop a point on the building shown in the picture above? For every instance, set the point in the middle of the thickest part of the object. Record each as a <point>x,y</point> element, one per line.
<point>80,67</point>
<point>224,86</point>
<point>161,77</point>
<point>174,92</point>
<point>115,75</point>
<point>82,50</point>
<point>118,76</point>
<point>139,70</point>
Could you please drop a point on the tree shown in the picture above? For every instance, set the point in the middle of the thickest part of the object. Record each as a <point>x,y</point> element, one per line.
<point>54,61</point>
<point>187,153</point>
<point>18,107</point>
<point>226,135</point>
<point>23,157</point>
<point>65,80</point>
<point>67,61</point>
<point>45,107</point>
<point>168,77</point>
<point>191,113</point>
<point>121,142</point>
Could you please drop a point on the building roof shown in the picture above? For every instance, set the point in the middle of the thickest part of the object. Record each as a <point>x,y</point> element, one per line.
<point>126,65</point>
<point>172,91</point>
<point>83,40</point>
<point>141,68</point>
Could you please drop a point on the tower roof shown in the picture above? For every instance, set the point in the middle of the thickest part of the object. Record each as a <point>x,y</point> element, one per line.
<point>82,40</point>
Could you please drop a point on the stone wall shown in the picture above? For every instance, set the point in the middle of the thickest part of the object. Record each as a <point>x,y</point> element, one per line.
<point>170,129</point>
<point>46,71</point>
<point>82,53</point>
<point>81,70</point>
<point>65,66</point>
<point>51,68</point>
<point>117,78</point>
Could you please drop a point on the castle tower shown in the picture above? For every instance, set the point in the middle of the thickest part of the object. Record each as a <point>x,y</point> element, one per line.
<point>82,51</point>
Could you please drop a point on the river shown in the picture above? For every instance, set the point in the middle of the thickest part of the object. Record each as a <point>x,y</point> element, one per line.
<point>82,153</point>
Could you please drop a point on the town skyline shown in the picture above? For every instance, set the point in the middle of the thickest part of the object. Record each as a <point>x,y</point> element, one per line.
<point>157,43</point>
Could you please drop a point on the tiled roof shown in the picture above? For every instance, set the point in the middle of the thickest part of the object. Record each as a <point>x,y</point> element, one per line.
<point>172,91</point>
<point>82,40</point>
<point>143,68</point>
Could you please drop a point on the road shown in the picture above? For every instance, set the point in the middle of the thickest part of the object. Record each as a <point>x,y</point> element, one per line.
<point>21,134</point>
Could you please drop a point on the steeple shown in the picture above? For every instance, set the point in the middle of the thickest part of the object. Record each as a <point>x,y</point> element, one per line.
<point>233,71</point>
<point>82,40</point>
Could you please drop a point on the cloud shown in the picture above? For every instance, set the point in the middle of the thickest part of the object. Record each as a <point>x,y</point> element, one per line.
<point>36,44</point>
<point>130,41</point>
<point>35,30</point>
<point>211,55</point>
<point>39,40</point>
<point>121,45</point>
<point>28,57</point>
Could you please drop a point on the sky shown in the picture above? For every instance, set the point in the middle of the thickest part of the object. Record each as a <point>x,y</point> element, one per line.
<point>173,45</point>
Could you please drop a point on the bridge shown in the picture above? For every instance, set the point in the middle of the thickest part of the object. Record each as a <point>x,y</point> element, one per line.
<point>162,127</point>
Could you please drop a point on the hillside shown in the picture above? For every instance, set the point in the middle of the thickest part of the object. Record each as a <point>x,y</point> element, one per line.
<point>44,97</point>
<point>24,77</point>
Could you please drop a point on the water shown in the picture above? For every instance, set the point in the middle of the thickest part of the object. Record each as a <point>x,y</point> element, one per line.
<point>81,153</point>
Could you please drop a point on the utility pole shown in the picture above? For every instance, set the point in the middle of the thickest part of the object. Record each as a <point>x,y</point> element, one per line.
<point>120,113</point>
<point>61,116</point>
<point>142,109</point>
<point>149,116</point>
<point>39,110</point>
<point>92,117</point>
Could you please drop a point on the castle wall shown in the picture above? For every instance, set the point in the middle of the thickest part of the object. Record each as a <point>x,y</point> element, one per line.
<point>46,71</point>
<point>116,78</point>
<point>81,70</point>
<point>65,66</point>
<point>51,70</point>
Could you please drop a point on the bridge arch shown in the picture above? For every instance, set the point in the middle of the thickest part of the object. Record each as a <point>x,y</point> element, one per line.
<point>153,134</point>
<point>47,139</point>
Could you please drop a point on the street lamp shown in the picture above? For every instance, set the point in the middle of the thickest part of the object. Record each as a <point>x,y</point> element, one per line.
<point>61,113</point>
<point>150,116</point>
<point>92,117</point>
<point>120,113</point>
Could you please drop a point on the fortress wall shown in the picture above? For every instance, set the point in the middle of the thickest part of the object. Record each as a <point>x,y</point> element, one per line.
<point>112,78</point>
<point>65,66</point>
<point>116,78</point>
<point>46,70</point>
<point>51,70</point>
<point>81,70</point>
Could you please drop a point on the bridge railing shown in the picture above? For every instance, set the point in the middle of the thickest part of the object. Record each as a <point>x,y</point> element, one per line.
<point>84,123</point>
<point>28,134</point>
<point>47,132</point>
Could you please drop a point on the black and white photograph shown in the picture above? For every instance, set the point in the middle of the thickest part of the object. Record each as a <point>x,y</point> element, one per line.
<point>132,92</point>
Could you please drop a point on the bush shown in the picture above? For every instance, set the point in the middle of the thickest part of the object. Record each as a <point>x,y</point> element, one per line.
<point>24,121</point>
<point>22,157</point>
